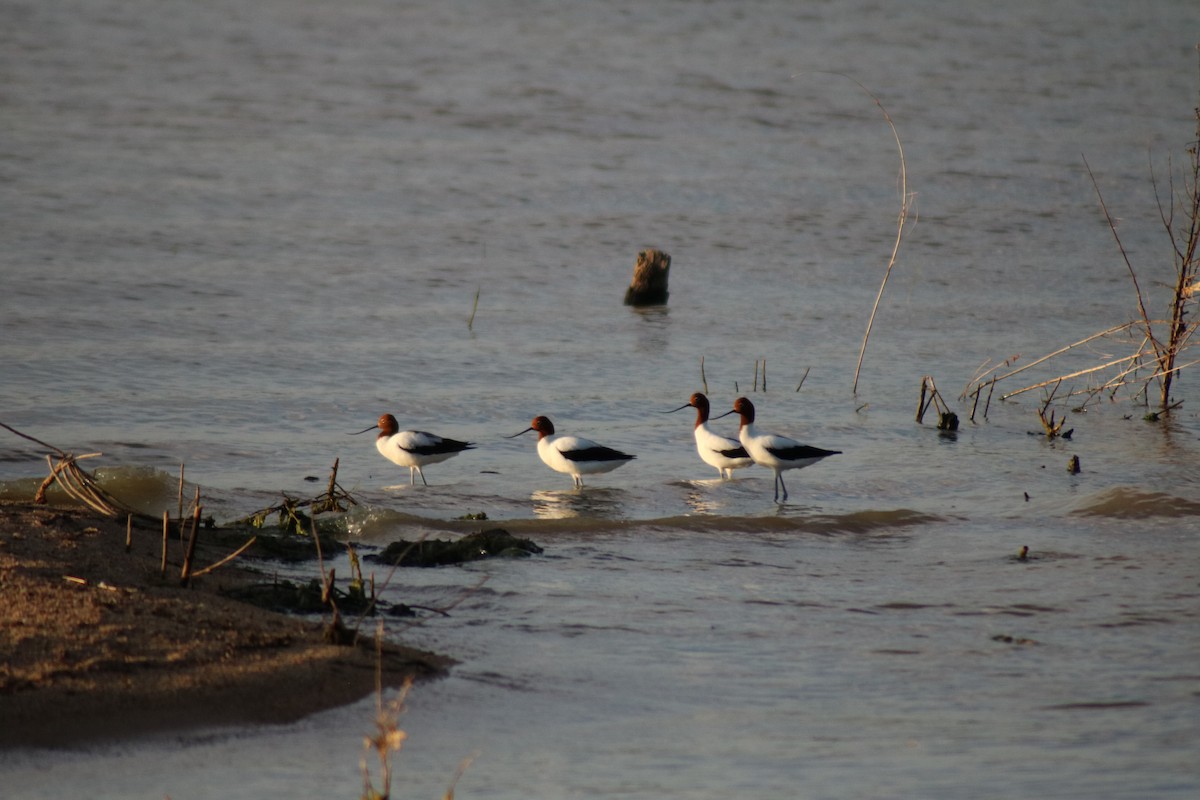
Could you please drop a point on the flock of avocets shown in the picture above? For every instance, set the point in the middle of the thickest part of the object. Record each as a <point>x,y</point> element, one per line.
<point>577,456</point>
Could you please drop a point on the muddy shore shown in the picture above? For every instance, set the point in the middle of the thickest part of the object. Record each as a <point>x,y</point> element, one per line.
<point>96,644</point>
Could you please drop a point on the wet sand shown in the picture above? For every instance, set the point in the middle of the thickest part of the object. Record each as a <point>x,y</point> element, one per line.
<point>95,644</point>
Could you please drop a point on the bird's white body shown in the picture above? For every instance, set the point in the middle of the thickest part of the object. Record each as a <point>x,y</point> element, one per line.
<point>413,449</point>
<point>776,453</point>
<point>574,455</point>
<point>720,451</point>
<point>714,449</point>
<point>570,454</point>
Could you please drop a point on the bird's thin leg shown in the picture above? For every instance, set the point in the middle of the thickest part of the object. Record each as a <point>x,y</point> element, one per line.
<point>422,474</point>
<point>784,485</point>
<point>412,476</point>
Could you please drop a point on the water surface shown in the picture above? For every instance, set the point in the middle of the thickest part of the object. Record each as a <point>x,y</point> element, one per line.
<point>234,234</point>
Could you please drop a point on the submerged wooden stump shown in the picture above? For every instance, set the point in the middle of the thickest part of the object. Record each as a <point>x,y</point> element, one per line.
<point>649,284</point>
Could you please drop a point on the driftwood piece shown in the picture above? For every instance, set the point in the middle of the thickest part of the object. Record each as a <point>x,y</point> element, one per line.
<point>649,284</point>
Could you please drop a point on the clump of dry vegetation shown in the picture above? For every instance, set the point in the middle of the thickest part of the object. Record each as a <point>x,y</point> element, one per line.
<point>290,515</point>
<point>1156,348</point>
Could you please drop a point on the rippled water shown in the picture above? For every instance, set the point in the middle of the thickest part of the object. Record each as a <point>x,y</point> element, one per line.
<point>234,234</point>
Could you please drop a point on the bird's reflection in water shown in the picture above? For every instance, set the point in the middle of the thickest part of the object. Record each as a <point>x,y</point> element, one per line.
<point>708,496</point>
<point>586,502</point>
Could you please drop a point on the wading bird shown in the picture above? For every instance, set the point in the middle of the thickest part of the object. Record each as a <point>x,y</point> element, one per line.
<point>413,449</point>
<point>571,454</point>
<point>715,450</point>
<point>776,453</point>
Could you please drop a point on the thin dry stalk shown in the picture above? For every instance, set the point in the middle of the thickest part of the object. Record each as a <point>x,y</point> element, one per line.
<point>227,558</point>
<point>166,537</point>
<point>463,766</point>
<point>78,485</point>
<point>333,499</point>
<point>179,515</point>
<point>1159,355</point>
<point>906,200</point>
<point>997,378</point>
<point>930,396</point>
<point>185,575</point>
<point>474,308</point>
<point>191,510</point>
<point>1052,427</point>
<point>1078,373</point>
<point>388,737</point>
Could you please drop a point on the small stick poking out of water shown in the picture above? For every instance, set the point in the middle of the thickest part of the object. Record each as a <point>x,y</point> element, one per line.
<point>474,308</point>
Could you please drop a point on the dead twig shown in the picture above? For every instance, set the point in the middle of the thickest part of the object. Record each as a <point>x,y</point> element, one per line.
<point>930,396</point>
<point>906,201</point>
<point>226,559</point>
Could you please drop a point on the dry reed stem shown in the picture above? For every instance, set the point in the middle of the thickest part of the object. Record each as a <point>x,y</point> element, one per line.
<point>1112,226</point>
<point>474,308</point>
<point>388,736</point>
<point>803,378</point>
<point>906,199</point>
<point>80,486</point>
<point>1043,359</point>
<point>1076,374</point>
<point>185,574</point>
<point>227,558</point>
<point>463,766</point>
<point>930,396</point>
<point>1160,350</point>
<point>166,528</point>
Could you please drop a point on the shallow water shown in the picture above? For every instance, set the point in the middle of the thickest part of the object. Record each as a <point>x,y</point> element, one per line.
<point>234,235</point>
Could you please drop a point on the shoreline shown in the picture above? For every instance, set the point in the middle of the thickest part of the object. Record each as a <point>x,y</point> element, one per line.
<point>97,646</point>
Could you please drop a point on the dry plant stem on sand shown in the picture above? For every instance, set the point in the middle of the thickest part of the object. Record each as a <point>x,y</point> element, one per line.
<point>74,481</point>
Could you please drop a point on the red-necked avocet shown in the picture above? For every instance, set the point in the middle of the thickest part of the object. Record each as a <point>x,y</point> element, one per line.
<point>715,450</point>
<point>413,449</point>
<point>776,453</point>
<point>571,454</point>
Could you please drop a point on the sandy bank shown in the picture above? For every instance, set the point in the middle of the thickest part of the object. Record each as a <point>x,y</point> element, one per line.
<point>96,644</point>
